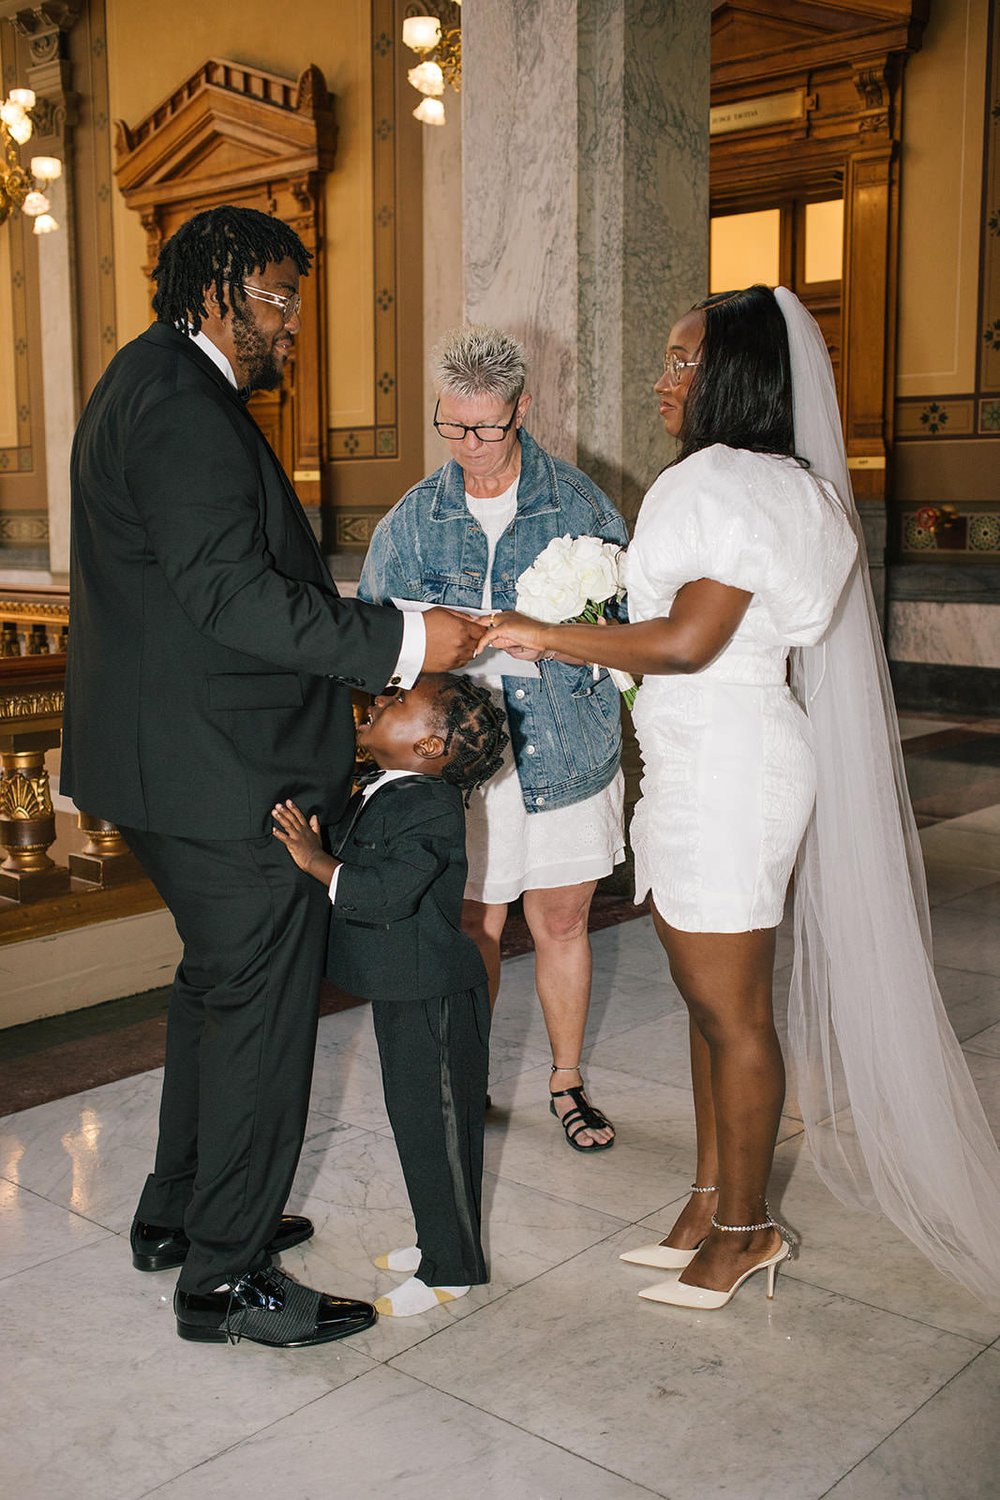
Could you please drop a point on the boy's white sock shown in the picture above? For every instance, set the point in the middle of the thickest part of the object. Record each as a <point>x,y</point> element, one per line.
<point>415,1296</point>
<point>407,1259</point>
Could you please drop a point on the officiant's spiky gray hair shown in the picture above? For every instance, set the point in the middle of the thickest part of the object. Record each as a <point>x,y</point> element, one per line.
<point>480,361</point>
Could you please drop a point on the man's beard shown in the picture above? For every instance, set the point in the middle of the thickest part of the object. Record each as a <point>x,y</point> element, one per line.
<point>261,370</point>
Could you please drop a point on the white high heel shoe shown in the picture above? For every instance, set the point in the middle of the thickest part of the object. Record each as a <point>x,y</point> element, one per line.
<point>664,1257</point>
<point>677,1293</point>
<point>661,1257</point>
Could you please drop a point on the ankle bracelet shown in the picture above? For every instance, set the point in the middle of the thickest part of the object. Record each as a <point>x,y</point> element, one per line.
<point>790,1238</point>
<point>696,1189</point>
<point>768,1223</point>
<point>743,1228</point>
<point>574,1069</point>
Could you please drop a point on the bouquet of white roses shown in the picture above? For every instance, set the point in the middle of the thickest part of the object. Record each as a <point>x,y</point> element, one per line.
<point>576,578</point>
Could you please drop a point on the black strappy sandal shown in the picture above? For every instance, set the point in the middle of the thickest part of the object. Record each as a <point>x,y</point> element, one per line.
<point>583,1117</point>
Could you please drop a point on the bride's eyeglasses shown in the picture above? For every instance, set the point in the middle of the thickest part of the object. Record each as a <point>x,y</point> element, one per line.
<point>674,366</point>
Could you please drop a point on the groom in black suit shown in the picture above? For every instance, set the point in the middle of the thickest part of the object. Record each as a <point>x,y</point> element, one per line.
<point>210,666</point>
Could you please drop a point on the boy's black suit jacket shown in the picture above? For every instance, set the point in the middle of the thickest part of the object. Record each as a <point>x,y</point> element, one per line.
<point>210,657</point>
<point>395,933</point>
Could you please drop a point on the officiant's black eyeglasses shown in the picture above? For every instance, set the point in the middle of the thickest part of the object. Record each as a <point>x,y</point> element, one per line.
<point>485,432</point>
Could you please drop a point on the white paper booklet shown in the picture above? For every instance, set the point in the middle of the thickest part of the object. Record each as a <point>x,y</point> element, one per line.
<point>492,663</point>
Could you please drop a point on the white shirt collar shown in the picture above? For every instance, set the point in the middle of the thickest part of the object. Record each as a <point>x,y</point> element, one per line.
<point>384,779</point>
<point>214,353</point>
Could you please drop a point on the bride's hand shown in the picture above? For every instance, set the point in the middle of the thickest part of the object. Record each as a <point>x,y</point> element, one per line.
<point>511,630</point>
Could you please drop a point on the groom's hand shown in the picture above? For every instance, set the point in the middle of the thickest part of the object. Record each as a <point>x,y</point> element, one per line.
<point>451,639</point>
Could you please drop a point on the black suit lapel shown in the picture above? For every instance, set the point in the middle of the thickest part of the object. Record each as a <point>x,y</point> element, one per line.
<point>347,823</point>
<point>296,505</point>
<point>172,338</point>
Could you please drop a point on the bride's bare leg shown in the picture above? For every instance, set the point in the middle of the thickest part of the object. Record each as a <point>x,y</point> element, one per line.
<point>726,980</point>
<point>694,1220</point>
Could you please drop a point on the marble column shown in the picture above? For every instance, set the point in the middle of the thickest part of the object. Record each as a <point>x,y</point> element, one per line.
<point>585,210</point>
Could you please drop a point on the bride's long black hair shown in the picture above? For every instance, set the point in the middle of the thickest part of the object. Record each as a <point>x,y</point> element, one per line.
<point>741,393</point>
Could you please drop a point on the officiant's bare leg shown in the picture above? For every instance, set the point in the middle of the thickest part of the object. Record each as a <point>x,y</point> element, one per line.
<point>726,980</point>
<point>557,921</point>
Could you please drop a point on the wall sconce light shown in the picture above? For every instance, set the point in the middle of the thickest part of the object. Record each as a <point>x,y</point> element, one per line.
<point>440,53</point>
<point>18,188</point>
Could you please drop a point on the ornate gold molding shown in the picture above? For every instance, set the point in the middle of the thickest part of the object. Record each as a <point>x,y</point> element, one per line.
<point>21,609</point>
<point>30,705</point>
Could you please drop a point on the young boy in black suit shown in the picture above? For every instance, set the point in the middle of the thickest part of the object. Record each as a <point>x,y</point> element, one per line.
<point>396,876</point>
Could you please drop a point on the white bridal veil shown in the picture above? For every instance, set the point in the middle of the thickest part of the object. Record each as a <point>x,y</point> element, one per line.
<point>891,1112</point>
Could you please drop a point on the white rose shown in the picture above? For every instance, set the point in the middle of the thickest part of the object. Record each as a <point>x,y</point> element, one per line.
<point>567,575</point>
<point>549,589</point>
<point>596,566</point>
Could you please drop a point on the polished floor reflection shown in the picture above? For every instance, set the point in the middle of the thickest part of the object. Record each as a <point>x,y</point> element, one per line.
<point>869,1377</point>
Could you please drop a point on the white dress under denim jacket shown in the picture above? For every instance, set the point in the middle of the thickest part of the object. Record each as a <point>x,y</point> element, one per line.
<point>565,725</point>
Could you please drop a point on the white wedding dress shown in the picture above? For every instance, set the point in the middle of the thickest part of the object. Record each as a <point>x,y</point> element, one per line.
<point>728,775</point>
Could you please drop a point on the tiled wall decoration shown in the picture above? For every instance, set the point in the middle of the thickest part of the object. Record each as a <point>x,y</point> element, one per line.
<point>951,532</point>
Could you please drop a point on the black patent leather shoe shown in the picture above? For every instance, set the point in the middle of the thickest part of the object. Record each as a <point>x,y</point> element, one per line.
<point>157,1249</point>
<point>268,1307</point>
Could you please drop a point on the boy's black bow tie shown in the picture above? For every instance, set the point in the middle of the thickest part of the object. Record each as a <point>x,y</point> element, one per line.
<point>367,778</point>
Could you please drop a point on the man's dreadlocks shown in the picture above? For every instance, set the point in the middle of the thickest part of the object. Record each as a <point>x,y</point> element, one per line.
<point>475,733</point>
<point>217,247</point>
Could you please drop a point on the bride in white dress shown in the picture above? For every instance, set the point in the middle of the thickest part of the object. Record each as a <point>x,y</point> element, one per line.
<point>746,549</point>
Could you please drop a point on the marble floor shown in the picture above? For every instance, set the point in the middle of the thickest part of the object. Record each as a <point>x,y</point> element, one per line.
<point>869,1377</point>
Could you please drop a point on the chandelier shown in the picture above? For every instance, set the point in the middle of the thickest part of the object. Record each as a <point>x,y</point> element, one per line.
<point>440,52</point>
<point>20,189</point>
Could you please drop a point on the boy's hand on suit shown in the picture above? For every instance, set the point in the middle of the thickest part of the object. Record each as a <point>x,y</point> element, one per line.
<point>302,840</point>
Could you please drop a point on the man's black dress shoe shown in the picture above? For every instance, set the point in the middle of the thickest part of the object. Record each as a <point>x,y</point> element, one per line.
<point>157,1249</point>
<point>268,1307</point>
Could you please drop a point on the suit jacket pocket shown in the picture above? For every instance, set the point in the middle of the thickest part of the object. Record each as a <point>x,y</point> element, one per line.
<point>236,690</point>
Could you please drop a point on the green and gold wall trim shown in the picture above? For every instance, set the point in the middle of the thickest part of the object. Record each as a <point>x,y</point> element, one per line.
<point>29,528</point>
<point>354,528</point>
<point>381,440</point>
<point>19,460</point>
<point>988,377</point>
<point>949,532</point>
<point>924,418</point>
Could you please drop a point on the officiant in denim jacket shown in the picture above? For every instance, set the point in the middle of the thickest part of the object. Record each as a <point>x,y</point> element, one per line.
<point>549,825</point>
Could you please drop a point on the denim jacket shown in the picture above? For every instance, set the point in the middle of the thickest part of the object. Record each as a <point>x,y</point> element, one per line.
<point>565,726</point>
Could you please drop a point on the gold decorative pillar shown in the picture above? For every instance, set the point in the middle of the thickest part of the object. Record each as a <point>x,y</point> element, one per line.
<point>105,859</point>
<point>31,705</point>
<point>27,818</point>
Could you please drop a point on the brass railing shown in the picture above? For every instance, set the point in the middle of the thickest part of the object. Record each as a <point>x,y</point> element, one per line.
<point>101,879</point>
<point>34,630</point>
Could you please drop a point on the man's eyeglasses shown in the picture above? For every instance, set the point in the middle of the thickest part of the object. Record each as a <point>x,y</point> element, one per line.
<point>486,433</point>
<point>673,367</point>
<point>289,303</point>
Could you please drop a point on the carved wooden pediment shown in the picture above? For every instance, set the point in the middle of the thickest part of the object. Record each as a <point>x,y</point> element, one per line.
<point>231,134</point>
<point>742,29</point>
<point>230,127</point>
